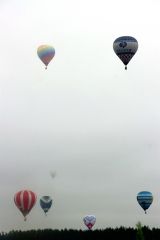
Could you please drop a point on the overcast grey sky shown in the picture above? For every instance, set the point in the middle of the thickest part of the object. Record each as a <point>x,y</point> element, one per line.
<point>95,124</point>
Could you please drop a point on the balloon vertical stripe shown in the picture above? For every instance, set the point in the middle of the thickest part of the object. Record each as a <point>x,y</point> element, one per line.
<point>21,200</point>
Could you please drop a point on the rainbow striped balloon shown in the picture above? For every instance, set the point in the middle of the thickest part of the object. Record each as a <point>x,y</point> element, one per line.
<point>46,53</point>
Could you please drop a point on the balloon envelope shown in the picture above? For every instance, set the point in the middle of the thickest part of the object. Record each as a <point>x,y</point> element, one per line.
<point>46,203</point>
<point>89,221</point>
<point>145,199</point>
<point>125,47</point>
<point>25,200</point>
<point>46,53</point>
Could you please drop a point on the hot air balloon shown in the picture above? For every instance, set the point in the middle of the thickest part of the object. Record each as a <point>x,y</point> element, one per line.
<point>46,203</point>
<point>125,47</point>
<point>52,174</point>
<point>145,199</point>
<point>46,53</point>
<point>89,221</point>
<point>25,200</point>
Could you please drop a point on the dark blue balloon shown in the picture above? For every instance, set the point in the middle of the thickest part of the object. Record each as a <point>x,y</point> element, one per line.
<point>46,203</point>
<point>125,48</point>
<point>145,199</point>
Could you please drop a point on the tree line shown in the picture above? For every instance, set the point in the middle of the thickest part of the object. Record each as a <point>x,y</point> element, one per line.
<point>139,233</point>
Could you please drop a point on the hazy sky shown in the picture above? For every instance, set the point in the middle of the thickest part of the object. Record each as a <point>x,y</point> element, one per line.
<point>95,124</point>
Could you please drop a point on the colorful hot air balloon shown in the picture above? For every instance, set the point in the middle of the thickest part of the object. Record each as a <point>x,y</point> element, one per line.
<point>25,200</point>
<point>89,221</point>
<point>125,47</point>
<point>46,53</point>
<point>46,203</point>
<point>145,199</point>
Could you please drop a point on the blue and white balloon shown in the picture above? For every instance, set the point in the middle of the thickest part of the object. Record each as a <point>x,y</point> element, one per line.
<point>125,47</point>
<point>145,199</point>
<point>89,221</point>
<point>46,203</point>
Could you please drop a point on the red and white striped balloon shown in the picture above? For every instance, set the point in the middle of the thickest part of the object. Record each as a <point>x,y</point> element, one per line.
<point>25,200</point>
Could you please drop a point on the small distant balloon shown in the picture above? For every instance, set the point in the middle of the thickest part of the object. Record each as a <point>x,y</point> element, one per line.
<point>145,199</point>
<point>89,221</point>
<point>53,174</point>
<point>125,48</point>
<point>46,203</point>
<point>46,53</point>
